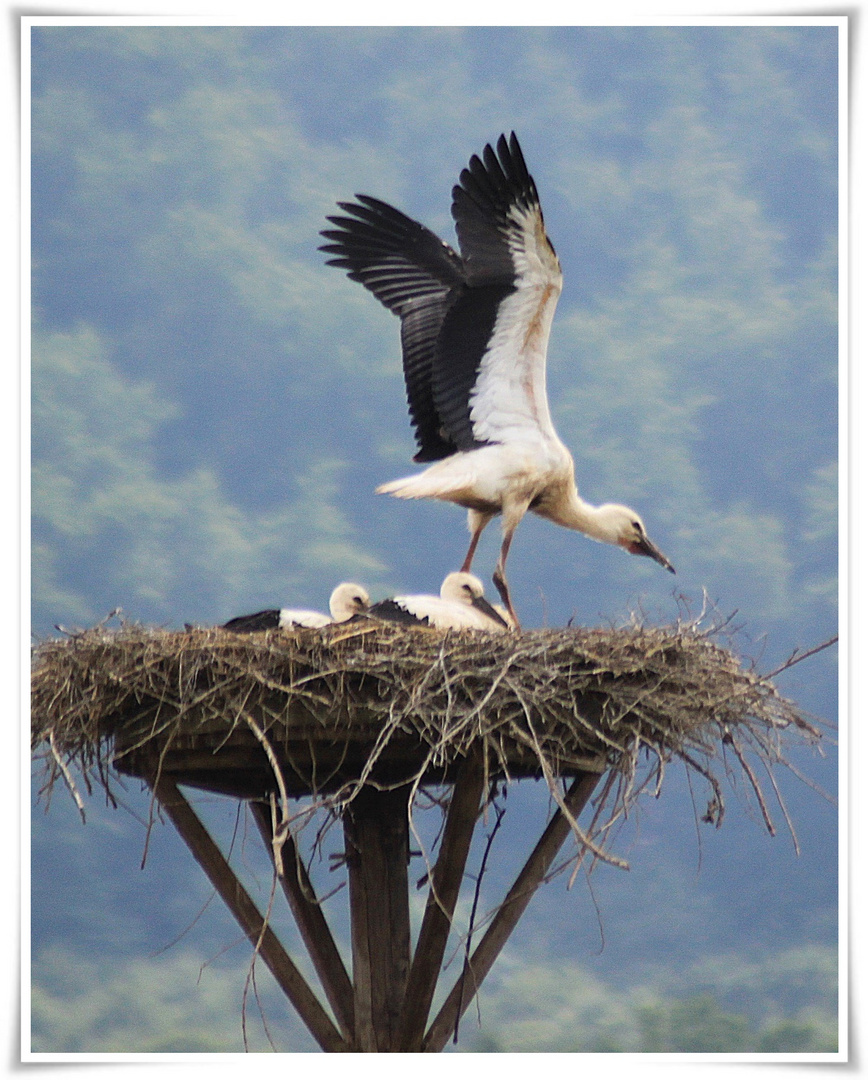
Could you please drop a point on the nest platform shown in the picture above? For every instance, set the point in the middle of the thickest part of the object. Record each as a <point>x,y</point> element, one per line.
<point>390,705</point>
<point>357,717</point>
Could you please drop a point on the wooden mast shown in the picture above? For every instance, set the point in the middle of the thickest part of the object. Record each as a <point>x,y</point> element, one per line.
<point>385,1006</point>
<point>376,831</point>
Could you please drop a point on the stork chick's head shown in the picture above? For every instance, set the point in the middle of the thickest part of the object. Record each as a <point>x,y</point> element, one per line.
<point>463,588</point>
<point>623,526</point>
<point>347,600</point>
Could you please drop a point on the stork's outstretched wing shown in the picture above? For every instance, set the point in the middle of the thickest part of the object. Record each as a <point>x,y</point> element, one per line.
<point>474,329</point>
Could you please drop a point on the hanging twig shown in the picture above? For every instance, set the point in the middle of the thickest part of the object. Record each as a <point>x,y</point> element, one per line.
<point>280,828</point>
<point>67,776</point>
<point>499,812</point>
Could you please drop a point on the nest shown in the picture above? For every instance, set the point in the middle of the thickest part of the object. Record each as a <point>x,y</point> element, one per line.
<point>323,712</point>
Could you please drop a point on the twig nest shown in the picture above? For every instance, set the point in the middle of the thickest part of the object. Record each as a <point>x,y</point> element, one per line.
<point>364,702</point>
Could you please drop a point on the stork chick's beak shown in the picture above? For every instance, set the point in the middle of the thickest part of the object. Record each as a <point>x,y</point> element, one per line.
<point>645,547</point>
<point>481,604</point>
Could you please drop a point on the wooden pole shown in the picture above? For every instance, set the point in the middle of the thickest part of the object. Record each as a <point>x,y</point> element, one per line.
<point>508,915</point>
<point>443,893</point>
<point>312,925</point>
<point>237,899</point>
<point>377,851</point>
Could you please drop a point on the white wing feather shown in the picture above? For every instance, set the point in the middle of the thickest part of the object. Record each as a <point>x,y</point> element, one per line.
<point>290,617</point>
<point>509,400</point>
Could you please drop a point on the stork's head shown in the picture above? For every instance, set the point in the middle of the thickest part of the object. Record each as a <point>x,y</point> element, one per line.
<point>623,526</point>
<point>461,588</point>
<point>347,600</point>
<point>464,588</point>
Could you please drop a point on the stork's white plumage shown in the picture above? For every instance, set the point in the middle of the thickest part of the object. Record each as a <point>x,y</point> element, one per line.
<point>347,600</point>
<point>461,605</point>
<point>474,333</point>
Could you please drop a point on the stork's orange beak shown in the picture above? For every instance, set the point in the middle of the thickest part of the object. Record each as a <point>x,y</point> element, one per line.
<point>645,547</point>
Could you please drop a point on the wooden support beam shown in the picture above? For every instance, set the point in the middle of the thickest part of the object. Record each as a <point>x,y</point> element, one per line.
<point>377,849</point>
<point>312,925</point>
<point>443,893</point>
<point>237,899</point>
<point>508,915</point>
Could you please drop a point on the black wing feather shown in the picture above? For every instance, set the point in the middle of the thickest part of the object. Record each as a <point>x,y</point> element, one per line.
<point>466,333</point>
<point>389,611</point>
<point>249,624</point>
<point>415,275</point>
<point>420,328</point>
<point>395,257</point>
<point>487,190</point>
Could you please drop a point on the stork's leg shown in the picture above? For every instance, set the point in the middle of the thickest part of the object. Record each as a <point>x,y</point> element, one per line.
<point>499,577</point>
<point>476,522</point>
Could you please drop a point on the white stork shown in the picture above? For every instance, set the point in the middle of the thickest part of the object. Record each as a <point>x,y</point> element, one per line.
<point>347,600</point>
<point>474,332</point>
<point>460,606</point>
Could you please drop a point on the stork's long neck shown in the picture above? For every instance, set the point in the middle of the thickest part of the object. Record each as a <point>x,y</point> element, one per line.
<point>573,512</point>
